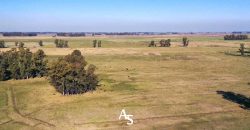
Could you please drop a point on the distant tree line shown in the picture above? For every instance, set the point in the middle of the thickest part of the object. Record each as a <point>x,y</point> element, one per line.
<point>235,37</point>
<point>9,34</point>
<point>167,43</point>
<point>71,34</point>
<point>2,44</point>
<point>70,76</point>
<point>61,43</point>
<point>21,63</point>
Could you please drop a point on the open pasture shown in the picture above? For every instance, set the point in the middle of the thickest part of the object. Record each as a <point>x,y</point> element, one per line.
<point>195,87</point>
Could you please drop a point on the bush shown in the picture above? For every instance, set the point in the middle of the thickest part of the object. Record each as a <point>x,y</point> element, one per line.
<point>69,76</point>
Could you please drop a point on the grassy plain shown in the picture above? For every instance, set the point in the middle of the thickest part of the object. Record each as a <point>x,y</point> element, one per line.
<point>164,88</point>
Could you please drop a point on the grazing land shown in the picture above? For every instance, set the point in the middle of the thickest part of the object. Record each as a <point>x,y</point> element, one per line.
<point>195,87</point>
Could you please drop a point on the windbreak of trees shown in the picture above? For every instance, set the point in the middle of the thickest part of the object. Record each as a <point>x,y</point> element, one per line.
<point>71,34</point>
<point>9,34</point>
<point>235,37</point>
<point>2,44</point>
<point>70,76</point>
<point>22,64</point>
<point>61,43</point>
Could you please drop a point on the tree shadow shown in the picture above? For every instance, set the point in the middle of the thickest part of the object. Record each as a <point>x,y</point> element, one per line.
<point>242,100</point>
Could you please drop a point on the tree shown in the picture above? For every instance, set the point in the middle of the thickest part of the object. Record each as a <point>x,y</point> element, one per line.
<point>99,43</point>
<point>94,43</point>
<point>40,43</point>
<point>185,41</point>
<point>69,76</point>
<point>242,49</point>
<point>39,64</point>
<point>16,43</point>
<point>4,72</point>
<point>2,44</point>
<point>152,44</point>
<point>21,45</point>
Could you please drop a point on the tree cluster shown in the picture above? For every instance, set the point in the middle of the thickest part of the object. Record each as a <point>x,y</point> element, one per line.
<point>2,44</point>
<point>22,64</point>
<point>97,43</point>
<point>61,43</point>
<point>70,76</point>
<point>165,43</point>
<point>235,37</point>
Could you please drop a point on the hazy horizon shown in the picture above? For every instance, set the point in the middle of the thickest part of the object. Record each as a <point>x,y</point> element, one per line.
<point>124,16</point>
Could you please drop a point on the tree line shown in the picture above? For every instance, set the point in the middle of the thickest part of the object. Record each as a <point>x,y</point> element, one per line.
<point>10,34</point>
<point>61,43</point>
<point>167,43</point>
<point>69,74</point>
<point>21,63</point>
<point>235,37</point>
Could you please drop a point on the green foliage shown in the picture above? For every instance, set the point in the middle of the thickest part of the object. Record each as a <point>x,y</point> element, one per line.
<point>39,64</point>
<point>97,43</point>
<point>185,41</point>
<point>61,43</point>
<point>242,49</point>
<point>152,44</point>
<point>20,64</point>
<point>69,76</point>
<point>235,37</point>
<point>165,43</point>
<point>2,44</point>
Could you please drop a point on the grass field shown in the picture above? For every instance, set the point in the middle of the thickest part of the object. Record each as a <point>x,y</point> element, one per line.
<point>198,87</point>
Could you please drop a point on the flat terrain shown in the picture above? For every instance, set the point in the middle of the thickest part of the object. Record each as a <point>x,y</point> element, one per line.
<point>198,87</point>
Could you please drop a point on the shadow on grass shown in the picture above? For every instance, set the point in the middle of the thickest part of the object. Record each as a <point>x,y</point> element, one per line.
<point>242,100</point>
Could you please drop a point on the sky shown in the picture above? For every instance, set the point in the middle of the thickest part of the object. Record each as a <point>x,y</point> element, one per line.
<point>124,15</point>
